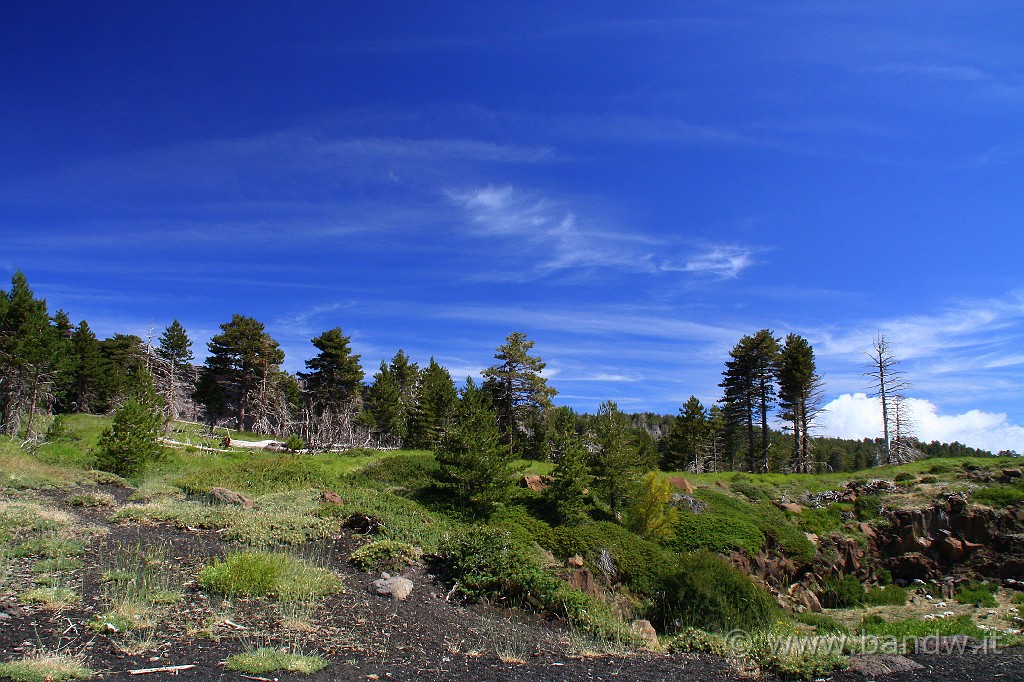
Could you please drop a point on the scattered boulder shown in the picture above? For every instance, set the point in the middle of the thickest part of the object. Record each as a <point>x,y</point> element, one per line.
<point>873,665</point>
<point>1010,475</point>
<point>225,496</point>
<point>331,497</point>
<point>943,645</point>
<point>534,482</point>
<point>644,631</point>
<point>791,507</point>
<point>807,599</point>
<point>396,587</point>
<point>583,580</point>
<point>681,483</point>
<point>576,561</point>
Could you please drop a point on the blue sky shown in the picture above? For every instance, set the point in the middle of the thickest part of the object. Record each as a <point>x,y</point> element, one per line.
<point>635,186</point>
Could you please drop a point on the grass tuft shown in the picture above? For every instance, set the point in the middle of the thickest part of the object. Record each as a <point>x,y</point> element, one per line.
<point>257,574</point>
<point>42,666</point>
<point>266,660</point>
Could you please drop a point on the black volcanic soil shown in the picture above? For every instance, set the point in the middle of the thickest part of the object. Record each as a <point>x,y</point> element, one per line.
<point>364,637</point>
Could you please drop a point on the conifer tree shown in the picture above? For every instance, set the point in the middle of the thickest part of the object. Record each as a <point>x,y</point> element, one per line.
<point>651,515</point>
<point>391,397</point>
<point>570,483</point>
<point>87,385</point>
<point>241,373</point>
<point>799,397</point>
<point>334,376</point>
<point>132,439</point>
<point>688,441</point>
<point>124,355</point>
<point>473,464</point>
<point>435,407</point>
<point>174,353</point>
<point>749,383</point>
<point>30,353</point>
<point>519,391</point>
<point>615,461</point>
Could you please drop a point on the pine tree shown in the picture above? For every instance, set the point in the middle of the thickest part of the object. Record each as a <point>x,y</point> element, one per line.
<point>174,354</point>
<point>132,439</point>
<point>391,398</point>
<point>688,441</point>
<point>435,407</point>
<point>30,353</point>
<point>334,376</point>
<point>750,391</point>
<point>799,397</point>
<point>124,355</point>
<point>570,483</point>
<point>241,373</point>
<point>518,389</point>
<point>88,381</point>
<point>615,461</point>
<point>473,464</point>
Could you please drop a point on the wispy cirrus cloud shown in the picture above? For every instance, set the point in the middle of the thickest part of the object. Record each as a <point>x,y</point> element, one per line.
<point>560,239</point>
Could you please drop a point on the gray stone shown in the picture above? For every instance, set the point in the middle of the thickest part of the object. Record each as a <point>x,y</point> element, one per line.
<point>396,587</point>
<point>873,665</point>
<point>225,496</point>
<point>644,631</point>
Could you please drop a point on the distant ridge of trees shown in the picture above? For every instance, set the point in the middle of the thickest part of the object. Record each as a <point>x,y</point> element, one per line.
<point>50,366</point>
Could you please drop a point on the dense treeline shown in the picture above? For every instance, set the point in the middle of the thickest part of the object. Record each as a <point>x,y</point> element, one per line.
<point>48,365</point>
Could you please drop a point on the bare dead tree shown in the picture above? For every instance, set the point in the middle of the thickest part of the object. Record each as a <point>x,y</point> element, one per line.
<point>903,447</point>
<point>887,381</point>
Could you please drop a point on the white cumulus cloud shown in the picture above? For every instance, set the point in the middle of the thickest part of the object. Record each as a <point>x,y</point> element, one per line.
<point>858,416</point>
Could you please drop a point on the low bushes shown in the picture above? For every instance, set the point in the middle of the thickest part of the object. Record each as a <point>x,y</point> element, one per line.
<point>847,592</point>
<point>490,564</point>
<point>977,593</point>
<point>708,593</point>
<point>998,495</point>
<point>385,555</point>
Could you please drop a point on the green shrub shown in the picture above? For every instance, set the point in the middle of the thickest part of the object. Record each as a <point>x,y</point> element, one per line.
<point>693,640</point>
<point>716,532</point>
<point>775,525</point>
<point>825,625</point>
<point>639,564</point>
<point>904,476</point>
<point>708,593</point>
<point>977,593</point>
<point>823,521</point>
<point>294,442</point>
<point>885,596</point>
<point>998,495</point>
<point>258,574</point>
<point>941,468</point>
<point>745,485</point>
<point>868,507</point>
<point>488,563</point>
<point>843,593</point>
<point>1017,598</point>
<point>385,555</point>
<point>929,479</point>
<point>918,627</point>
